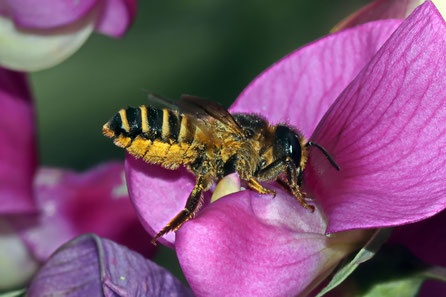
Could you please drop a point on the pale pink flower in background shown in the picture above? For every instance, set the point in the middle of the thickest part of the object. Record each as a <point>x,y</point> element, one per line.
<point>43,208</point>
<point>39,34</point>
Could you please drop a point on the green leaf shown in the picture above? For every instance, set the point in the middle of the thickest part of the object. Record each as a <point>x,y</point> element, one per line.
<point>15,293</point>
<point>366,253</point>
<point>407,287</point>
<point>394,271</point>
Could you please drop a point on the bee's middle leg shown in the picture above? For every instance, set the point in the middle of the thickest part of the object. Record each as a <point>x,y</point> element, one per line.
<point>193,204</point>
<point>233,164</point>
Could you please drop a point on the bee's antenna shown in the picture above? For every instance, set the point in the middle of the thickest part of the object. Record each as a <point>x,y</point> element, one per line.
<point>310,143</point>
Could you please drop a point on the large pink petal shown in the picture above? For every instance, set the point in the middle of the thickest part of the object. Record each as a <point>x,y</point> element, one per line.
<point>158,194</point>
<point>17,146</point>
<point>247,244</point>
<point>72,204</point>
<point>387,133</point>
<point>301,87</point>
<point>45,14</point>
<point>116,17</point>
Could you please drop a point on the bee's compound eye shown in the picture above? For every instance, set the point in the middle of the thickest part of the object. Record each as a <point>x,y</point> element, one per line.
<point>262,163</point>
<point>287,143</point>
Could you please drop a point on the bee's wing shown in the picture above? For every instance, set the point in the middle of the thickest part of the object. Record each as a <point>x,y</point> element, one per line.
<point>162,102</point>
<point>202,112</point>
<point>205,109</point>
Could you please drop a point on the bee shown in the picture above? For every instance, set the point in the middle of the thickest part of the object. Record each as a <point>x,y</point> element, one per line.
<point>212,143</point>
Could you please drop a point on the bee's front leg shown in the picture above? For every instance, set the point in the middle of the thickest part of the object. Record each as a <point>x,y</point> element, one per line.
<point>293,178</point>
<point>297,193</point>
<point>193,205</point>
<point>294,182</point>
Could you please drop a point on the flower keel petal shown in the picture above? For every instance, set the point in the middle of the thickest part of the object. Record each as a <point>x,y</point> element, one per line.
<point>32,50</point>
<point>247,244</point>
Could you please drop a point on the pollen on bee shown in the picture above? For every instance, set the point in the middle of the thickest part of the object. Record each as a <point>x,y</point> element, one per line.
<point>122,141</point>
<point>139,146</point>
<point>175,156</point>
<point>157,152</point>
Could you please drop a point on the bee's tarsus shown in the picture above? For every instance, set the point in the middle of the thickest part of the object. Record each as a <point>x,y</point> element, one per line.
<point>193,204</point>
<point>310,207</point>
<point>256,186</point>
<point>154,241</point>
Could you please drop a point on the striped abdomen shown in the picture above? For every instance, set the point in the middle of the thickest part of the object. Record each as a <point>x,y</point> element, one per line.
<point>160,136</point>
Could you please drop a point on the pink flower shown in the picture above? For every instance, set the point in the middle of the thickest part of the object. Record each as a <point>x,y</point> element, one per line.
<point>71,204</point>
<point>40,34</point>
<point>17,149</point>
<point>377,104</point>
<point>42,209</point>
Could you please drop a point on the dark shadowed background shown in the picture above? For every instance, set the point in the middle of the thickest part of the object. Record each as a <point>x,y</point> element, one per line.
<point>212,49</point>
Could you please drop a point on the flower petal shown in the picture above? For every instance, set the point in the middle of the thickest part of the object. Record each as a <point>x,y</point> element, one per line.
<point>385,9</point>
<point>116,17</point>
<point>386,132</point>
<point>379,10</point>
<point>426,239</point>
<point>247,244</point>
<point>91,266</point>
<point>158,194</point>
<point>31,49</point>
<point>72,204</point>
<point>45,14</point>
<point>18,147</point>
<point>300,88</point>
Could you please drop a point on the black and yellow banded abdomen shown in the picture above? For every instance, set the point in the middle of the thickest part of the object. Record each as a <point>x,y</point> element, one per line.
<point>160,136</point>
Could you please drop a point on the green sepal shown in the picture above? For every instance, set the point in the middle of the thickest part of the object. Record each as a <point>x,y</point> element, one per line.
<point>365,254</point>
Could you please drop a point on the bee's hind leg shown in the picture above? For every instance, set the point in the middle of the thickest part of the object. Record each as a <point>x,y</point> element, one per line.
<point>193,204</point>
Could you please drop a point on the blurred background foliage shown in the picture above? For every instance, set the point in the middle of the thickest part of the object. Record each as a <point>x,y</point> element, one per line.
<point>212,49</point>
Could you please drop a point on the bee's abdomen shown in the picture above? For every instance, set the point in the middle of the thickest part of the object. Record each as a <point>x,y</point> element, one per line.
<point>160,136</point>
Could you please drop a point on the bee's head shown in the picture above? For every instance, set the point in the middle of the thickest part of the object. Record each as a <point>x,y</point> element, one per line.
<point>288,143</point>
